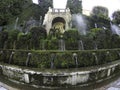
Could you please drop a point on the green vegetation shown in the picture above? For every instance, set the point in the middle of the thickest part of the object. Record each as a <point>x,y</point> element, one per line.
<point>75,6</point>
<point>10,9</point>
<point>44,5</point>
<point>36,41</point>
<point>42,59</point>
<point>116,17</point>
<point>36,37</point>
<point>24,9</point>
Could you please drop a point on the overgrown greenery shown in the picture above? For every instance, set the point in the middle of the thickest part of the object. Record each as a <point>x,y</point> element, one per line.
<point>99,37</point>
<point>75,6</point>
<point>24,9</point>
<point>44,5</point>
<point>116,17</point>
<point>36,38</point>
<point>66,59</point>
<point>22,43</point>
<point>10,9</point>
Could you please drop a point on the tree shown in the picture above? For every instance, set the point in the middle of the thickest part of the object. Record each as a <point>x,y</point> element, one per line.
<point>3,38</point>
<point>44,5</point>
<point>116,17</point>
<point>100,11</point>
<point>71,39</point>
<point>12,38</point>
<point>37,33</point>
<point>75,6</point>
<point>23,41</point>
<point>99,17</point>
<point>32,11</point>
<point>10,9</point>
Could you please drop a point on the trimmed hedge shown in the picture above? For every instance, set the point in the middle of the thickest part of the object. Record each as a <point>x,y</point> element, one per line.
<point>59,59</point>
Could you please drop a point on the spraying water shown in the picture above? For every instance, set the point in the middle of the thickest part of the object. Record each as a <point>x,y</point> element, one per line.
<point>61,45</point>
<point>52,60</point>
<point>11,57</point>
<point>28,58</point>
<point>79,23</point>
<point>16,22</point>
<point>96,25</point>
<point>75,58</point>
<point>96,58</point>
<point>95,45</point>
<point>115,29</point>
<point>80,45</point>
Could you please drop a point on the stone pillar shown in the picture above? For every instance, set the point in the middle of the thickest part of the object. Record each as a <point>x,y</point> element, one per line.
<point>26,78</point>
<point>109,71</point>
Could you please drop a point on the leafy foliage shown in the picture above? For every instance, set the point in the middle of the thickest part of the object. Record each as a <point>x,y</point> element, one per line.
<point>3,38</point>
<point>75,6</point>
<point>116,17</point>
<point>43,59</point>
<point>71,38</point>
<point>37,33</point>
<point>44,5</point>
<point>10,9</point>
<point>100,11</point>
<point>99,16</point>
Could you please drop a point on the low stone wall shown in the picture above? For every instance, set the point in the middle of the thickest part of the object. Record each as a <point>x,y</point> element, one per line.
<point>60,78</point>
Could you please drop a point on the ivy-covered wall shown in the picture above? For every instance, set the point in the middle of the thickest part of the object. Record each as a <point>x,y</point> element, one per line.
<point>59,59</point>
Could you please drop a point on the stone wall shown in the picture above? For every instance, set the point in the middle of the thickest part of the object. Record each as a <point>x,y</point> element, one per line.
<point>60,78</point>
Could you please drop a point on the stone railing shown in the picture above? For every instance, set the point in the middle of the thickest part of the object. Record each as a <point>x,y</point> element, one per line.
<point>57,10</point>
<point>61,78</point>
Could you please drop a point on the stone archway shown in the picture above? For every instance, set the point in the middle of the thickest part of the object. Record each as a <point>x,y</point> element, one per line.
<point>59,23</point>
<point>58,19</point>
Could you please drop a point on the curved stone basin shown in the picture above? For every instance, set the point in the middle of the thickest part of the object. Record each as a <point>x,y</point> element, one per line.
<point>60,77</point>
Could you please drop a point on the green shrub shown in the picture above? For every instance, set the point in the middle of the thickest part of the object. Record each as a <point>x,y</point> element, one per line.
<point>61,59</point>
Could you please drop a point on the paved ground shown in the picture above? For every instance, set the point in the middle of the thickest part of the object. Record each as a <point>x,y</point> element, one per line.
<point>112,86</point>
<point>2,88</point>
<point>6,87</point>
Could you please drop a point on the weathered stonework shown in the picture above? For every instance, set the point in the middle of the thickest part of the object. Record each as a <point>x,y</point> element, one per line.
<point>61,78</point>
<point>63,17</point>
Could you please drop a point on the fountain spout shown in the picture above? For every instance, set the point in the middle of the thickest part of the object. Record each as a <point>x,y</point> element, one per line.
<point>43,45</point>
<point>11,57</point>
<point>75,58</point>
<point>61,45</point>
<point>40,21</point>
<point>16,22</point>
<point>1,52</point>
<point>1,55</point>
<point>80,45</point>
<point>119,54</point>
<point>52,60</point>
<point>108,56</point>
<point>95,46</point>
<point>107,53</point>
<point>96,25</point>
<point>28,59</point>
<point>96,59</point>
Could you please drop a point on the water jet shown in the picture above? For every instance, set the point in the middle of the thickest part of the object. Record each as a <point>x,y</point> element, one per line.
<point>28,59</point>
<point>80,45</point>
<point>11,57</point>
<point>75,58</point>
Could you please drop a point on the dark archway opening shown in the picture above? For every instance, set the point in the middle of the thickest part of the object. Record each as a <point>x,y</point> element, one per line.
<point>58,23</point>
<point>58,19</point>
